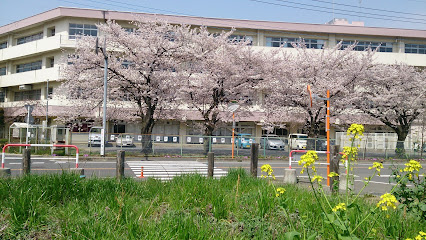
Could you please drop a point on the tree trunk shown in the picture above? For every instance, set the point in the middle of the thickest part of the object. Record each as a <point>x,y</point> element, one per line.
<point>400,146</point>
<point>146,131</point>
<point>208,132</point>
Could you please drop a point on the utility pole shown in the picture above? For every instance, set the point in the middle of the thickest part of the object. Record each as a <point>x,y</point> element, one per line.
<point>103,131</point>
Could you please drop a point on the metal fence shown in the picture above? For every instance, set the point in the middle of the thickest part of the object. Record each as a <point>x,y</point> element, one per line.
<point>193,145</point>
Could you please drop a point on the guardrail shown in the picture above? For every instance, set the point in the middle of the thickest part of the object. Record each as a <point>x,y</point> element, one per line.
<point>3,156</point>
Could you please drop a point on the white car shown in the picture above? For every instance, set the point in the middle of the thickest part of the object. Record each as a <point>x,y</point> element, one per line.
<point>297,141</point>
<point>124,140</point>
<point>271,141</point>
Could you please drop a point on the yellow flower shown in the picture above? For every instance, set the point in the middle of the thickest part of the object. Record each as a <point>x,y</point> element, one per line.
<point>377,166</point>
<point>412,165</point>
<point>333,174</point>
<point>356,130</point>
<point>350,153</point>
<point>340,206</point>
<point>388,200</point>
<point>317,178</point>
<point>420,236</point>
<point>280,191</point>
<point>308,159</point>
<point>268,170</point>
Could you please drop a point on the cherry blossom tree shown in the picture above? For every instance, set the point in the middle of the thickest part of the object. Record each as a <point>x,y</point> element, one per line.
<point>395,95</point>
<point>219,70</point>
<point>326,69</point>
<point>141,72</point>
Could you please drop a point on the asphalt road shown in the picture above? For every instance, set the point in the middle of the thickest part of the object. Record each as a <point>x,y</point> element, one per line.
<point>106,168</point>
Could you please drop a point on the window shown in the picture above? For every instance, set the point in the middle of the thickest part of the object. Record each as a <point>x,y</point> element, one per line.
<point>51,32</point>
<point>28,67</point>
<point>2,71</point>
<point>30,38</point>
<point>28,95</point>
<point>49,93</point>
<point>240,38</point>
<point>287,42</point>
<point>50,62</point>
<point>77,30</point>
<point>3,45</point>
<point>415,48</point>
<point>2,95</point>
<point>129,30</point>
<point>362,46</point>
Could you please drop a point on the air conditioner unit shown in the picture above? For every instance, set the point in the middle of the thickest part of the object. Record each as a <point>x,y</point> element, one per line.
<point>25,87</point>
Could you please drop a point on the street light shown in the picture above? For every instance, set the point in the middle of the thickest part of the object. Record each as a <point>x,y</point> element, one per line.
<point>103,131</point>
<point>232,107</point>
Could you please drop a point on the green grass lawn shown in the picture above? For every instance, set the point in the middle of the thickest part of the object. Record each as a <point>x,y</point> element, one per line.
<point>188,207</point>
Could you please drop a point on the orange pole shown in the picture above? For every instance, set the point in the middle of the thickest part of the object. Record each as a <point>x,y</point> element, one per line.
<point>328,136</point>
<point>233,139</point>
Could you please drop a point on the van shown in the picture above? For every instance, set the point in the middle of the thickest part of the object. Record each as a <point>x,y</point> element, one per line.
<point>297,141</point>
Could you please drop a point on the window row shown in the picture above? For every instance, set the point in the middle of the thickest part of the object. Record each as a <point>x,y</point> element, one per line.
<point>30,38</point>
<point>415,48</point>
<point>362,46</point>
<point>288,42</point>
<point>76,30</point>
<point>28,67</point>
<point>28,95</point>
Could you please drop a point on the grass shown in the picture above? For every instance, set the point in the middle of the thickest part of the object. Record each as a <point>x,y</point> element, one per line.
<point>188,207</point>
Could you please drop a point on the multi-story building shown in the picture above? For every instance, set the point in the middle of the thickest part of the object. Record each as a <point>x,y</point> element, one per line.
<point>31,51</point>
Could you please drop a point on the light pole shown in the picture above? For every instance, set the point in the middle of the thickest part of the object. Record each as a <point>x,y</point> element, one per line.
<point>103,131</point>
<point>29,110</point>
<point>232,107</point>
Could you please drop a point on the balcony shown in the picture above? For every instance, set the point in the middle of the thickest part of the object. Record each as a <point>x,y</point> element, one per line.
<point>36,47</point>
<point>30,77</point>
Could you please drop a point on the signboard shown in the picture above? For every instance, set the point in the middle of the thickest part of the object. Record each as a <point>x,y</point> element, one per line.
<point>222,140</point>
<point>200,140</point>
<point>214,140</point>
<point>112,137</point>
<point>174,139</point>
<point>139,137</point>
<point>166,139</point>
<point>157,138</point>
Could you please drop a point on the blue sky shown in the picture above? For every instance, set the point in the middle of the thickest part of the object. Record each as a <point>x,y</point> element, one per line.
<point>409,14</point>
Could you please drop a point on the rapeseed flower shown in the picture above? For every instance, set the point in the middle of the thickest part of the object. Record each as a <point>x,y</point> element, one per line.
<point>280,191</point>
<point>412,166</point>
<point>308,159</point>
<point>268,170</point>
<point>356,130</point>
<point>339,207</point>
<point>333,174</point>
<point>421,236</point>
<point>377,166</point>
<point>388,200</point>
<point>317,178</point>
<point>350,153</point>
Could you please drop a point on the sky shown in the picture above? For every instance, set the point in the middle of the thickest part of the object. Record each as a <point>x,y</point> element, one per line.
<point>408,14</point>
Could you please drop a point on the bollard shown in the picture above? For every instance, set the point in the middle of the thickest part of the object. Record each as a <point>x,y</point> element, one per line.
<point>210,164</point>
<point>334,167</point>
<point>119,173</point>
<point>5,172</point>
<point>141,176</point>
<point>290,176</point>
<point>254,159</point>
<point>26,161</point>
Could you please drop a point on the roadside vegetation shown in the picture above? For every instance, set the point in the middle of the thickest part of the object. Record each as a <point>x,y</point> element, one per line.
<point>188,207</point>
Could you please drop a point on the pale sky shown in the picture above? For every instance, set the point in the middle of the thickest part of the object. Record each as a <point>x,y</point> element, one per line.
<point>410,14</point>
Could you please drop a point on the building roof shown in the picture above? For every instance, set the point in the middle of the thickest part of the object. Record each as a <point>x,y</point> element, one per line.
<point>213,22</point>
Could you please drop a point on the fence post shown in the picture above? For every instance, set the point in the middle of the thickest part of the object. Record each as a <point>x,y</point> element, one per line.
<point>334,167</point>
<point>120,164</point>
<point>210,156</point>
<point>254,159</point>
<point>26,161</point>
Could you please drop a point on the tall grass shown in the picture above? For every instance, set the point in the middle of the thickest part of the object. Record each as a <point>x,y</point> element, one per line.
<point>188,207</point>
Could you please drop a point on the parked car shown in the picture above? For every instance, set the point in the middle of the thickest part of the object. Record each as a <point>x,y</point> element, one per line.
<point>243,140</point>
<point>297,141</point>
<point>271,141</point>
<point>124,140</point>
<point>94,137</point>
